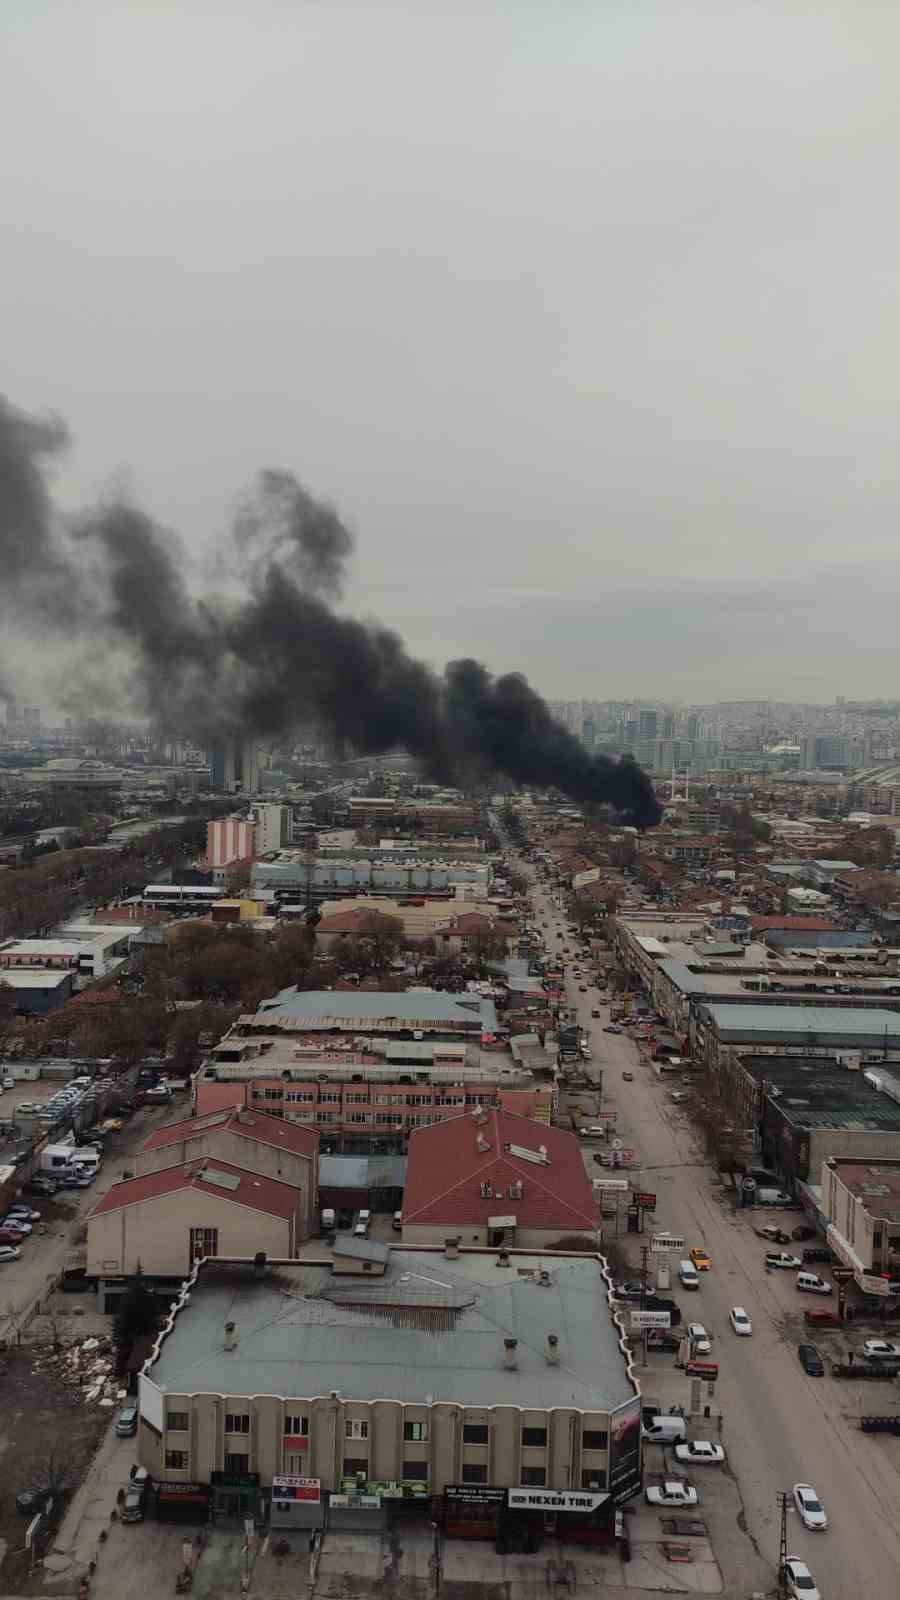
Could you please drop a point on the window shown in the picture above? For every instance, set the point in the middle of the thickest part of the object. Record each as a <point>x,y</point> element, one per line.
<point>472,1474</point>
<point>591,1479</point>
<point>296,1425</point>
<point>237,1422</point>
<point>203,1242</point>
<point>534,1477</point>
<point>415,1430</point>
<point>475,1433</point>
<point>486,1192</point>
<point>177,1460</point>
<point>355,1464</point>
<point>535,1437</point>
<point>593,1439</point>
<point>417,1470</point>
<point>356,1428</point>
<point>358,1116</point>
<point>177,1421</point>
<point>236,1464</point>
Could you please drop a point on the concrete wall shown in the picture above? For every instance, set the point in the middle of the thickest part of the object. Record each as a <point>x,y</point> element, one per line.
<point>156,1233</point>
<point>866,1144</point>
<point>475,1234</point>
<point>385,1452</point>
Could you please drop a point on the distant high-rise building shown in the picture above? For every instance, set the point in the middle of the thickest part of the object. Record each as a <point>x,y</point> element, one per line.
<point>588,732</point>
<point>668,726</point>
<point>648,725</point>
<point>234,766</point>
<point>273,828</point>
<point>229,839</point>
<point>693,726</point>
<point>12,713</point>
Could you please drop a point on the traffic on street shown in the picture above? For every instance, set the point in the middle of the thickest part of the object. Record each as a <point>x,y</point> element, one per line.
<point>782,1427</point>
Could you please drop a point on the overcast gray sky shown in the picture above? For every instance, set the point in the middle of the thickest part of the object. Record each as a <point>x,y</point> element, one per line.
<point>585,314</point>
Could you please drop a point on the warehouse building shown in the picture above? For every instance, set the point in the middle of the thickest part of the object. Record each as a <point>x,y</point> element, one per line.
<point>483,1388</point>
<point>794,1029</point>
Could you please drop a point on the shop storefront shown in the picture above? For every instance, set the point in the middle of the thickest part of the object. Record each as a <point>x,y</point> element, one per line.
<point>296,1503</point>
<point>180,1502</point>
<point>236,1496</point>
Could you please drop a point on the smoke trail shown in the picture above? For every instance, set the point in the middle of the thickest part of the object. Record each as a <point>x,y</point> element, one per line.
<point>278,655</point>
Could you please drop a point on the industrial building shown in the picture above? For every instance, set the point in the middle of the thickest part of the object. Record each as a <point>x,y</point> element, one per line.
<point>482,1387</point>
<point>797,1029</point>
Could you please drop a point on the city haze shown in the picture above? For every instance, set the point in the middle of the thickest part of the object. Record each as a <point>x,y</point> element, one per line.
<point>585,322</point>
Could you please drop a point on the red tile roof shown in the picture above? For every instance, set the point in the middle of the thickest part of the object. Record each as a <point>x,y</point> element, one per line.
<point>247,1124</point>
<point>446,1169</point>
<point>259,1194</point>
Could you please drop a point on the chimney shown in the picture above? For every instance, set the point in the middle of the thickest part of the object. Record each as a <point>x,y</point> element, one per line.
<point>503,1258</point>
<point>451,1248</point>
<point>510,1347</point>
<point>230,1340</point>
<point>552,1350</point>
<point>544,1278</point>
<point>259,1264</point>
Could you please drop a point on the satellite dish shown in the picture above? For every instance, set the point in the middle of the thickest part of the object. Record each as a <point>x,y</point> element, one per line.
<point>616,1144</point>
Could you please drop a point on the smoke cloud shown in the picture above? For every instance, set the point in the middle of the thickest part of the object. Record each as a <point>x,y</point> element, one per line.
<point>278,654</point>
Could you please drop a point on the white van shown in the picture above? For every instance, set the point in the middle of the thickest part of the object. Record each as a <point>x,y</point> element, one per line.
<point>664,1430</point>
<point>687,1272</point>
<point>812,1283</point>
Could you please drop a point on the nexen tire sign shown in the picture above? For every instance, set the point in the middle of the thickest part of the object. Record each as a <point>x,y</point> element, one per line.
<point>555,1500</point>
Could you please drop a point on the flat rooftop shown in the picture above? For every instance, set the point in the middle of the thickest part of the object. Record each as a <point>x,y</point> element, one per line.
<point>428,1330</point>
<point>818,1093</point>
<point>842,1026</point>
<point>876,1183</point>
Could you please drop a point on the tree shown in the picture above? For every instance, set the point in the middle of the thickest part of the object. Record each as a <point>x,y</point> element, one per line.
<point>486,949</point>
<point>582,910</point>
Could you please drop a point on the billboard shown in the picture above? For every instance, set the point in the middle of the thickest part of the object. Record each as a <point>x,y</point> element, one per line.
<point>625,1448</point>
<point>666,1241</point>
<point>650,1319</point>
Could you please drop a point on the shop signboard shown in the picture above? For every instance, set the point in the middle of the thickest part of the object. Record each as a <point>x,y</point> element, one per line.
<point>474,1494</point>
<point>650,1319</point>
<point>625,1444</point>
<point>579,1500</point>
<point>666,1241</point>
<point>294,1488</point>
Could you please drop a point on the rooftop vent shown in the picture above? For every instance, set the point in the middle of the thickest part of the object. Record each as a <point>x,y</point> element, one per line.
<point>229,1341</point>
<point>451,1248</point>
<point>552,1353</point>
<point>503,1258</point>
<point>510,1362</point>
<point>482,1144</point>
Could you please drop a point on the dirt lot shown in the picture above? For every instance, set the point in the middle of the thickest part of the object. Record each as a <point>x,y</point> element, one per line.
<point>42,1418</point>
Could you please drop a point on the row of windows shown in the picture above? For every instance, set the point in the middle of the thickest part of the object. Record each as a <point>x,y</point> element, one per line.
<point>415,1470</point>
<point>413,1432</point>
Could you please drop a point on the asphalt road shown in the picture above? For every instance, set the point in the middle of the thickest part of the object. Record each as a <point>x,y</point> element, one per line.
<point>781,1427</point>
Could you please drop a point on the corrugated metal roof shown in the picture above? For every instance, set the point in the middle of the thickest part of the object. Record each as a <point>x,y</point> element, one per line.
<point>317,1008</point>
<point>848,1021</point>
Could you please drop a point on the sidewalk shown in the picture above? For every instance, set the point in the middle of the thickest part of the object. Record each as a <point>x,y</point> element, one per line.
<point>78,1536</point>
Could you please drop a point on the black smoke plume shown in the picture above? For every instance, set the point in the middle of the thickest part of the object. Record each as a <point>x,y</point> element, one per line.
<point>278,654</point>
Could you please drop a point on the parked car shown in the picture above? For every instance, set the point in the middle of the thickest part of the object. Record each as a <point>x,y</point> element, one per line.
<point>40,1184</point>
<point>628,1077</point>
<point>595,1013</point>
<point>700,1341</point>
<point>612,1027</point>
<point>15,1222</point>
<point>809,1509</point>
<point>661,1339</point>
<point>804,1231</point>
<point>30,1501</point>
<point>9,1252</point>
<point>777,1235</point>
<point>671,1492</point>
<point>780,1258</point>
<point>799,1580</point>
<point>20,1209</point>
<point>701,1452</point>
<point>126,1422</point>
<point>740,1321</point>
<point>701,1260</point>
<point>810,1360</point>
<point>819,1252</point>
<point>811,1283</point>
<point>133,1505</point>
<point>881,1350</point>
<point>11,1236</point>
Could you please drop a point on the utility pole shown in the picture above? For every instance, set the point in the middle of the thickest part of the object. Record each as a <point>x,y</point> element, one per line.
<point>645,1257</point>
<point>784,1502</point>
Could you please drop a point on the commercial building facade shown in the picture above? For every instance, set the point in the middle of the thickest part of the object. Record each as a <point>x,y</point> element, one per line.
<point>428,1378</point>
<point>861,1199</point>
